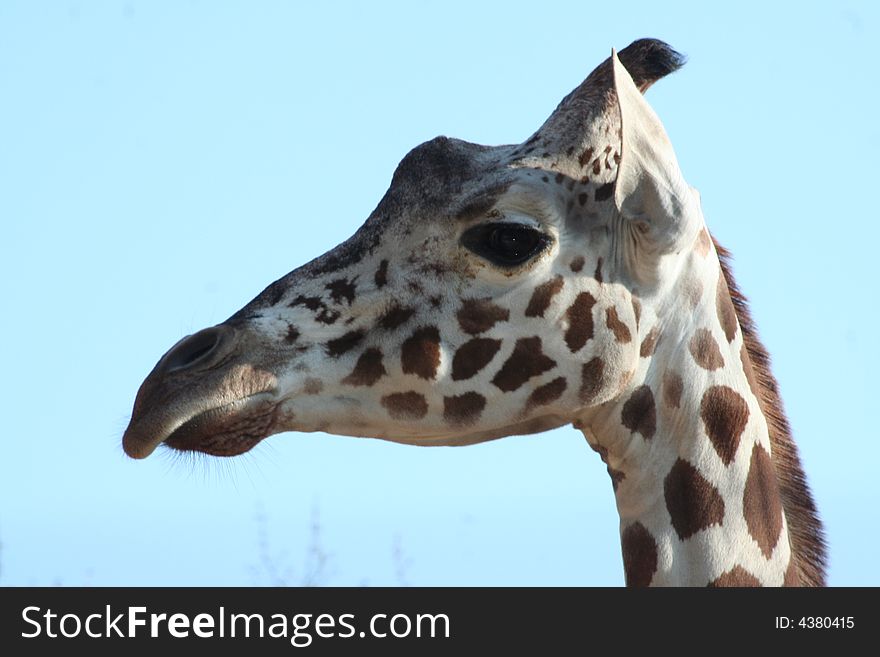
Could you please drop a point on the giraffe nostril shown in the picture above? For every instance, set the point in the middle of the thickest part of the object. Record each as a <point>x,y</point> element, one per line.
<point>194,348</point>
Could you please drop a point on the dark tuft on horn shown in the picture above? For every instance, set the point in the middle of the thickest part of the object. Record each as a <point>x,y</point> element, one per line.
<point>648,60</point>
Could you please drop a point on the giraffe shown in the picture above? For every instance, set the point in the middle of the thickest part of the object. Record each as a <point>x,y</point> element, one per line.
<point>495,291</point>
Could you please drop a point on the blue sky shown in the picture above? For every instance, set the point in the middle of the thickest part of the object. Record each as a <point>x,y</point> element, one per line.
<point>161,162</point>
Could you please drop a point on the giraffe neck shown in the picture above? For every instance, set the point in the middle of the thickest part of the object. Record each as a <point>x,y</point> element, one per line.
<point>688,448</point>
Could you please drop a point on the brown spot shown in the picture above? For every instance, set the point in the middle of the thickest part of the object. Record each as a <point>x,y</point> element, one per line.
<point>604,192</point>
<point>395,316</point>
<point>577,264</point>
<point>592,379</point>
<point>322,313</point>
<point>313,386</point>
<point>580,321</point>
<point>582,198</point>
<point>341,290</point>
<point>597,167</point>
<point>542,296</point>
<point>312,303</point>
<point>340,345</point>
<point>549,392</point>
<point>748,371</point>
<point>381,276</point>
<point>598,273</point>
<point>762,507</point>
<point>526,361</point>
<point>545,179</point>
<point>292,334</point>
<point>649,344</point>
<point>420,353</point>
<point>639,412</point>
<point>585,157</point>
<point>725,414</point>
<point>693,503</point>
<point>705,350</point>
<point>692,289</point>
<point>639,555</point>
<point>559,178</point>
<point>620,330</point>
<point>673,386</point>
<point>616,475</point>
<point>405,405</point>
<point>479,315</point>
<point>726,312</point>
<point>463,409</point>
<point>473,356</point>
<point>735,577</point>
<point>367,370</point>
<point>637,309</point>
<point>703,242</point>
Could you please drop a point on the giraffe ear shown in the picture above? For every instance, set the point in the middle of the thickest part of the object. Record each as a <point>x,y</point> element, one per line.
<point>650,190</point>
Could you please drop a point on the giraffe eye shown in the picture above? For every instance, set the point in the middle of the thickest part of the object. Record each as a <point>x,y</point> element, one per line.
<point>505,244</point>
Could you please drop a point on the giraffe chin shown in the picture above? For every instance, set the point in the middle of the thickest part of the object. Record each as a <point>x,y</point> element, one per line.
<point>227,430</point>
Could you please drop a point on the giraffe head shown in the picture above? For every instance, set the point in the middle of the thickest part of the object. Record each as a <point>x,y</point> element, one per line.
<point>493,291</point>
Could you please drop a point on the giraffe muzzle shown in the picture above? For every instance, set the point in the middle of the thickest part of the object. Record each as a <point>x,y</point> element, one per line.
<point>204,395</point>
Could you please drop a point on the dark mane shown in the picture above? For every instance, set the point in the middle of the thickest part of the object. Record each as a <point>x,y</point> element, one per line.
<point>804,527</point>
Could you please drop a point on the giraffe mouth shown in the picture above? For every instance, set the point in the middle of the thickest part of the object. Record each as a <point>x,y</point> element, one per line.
<point>227,430</point>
